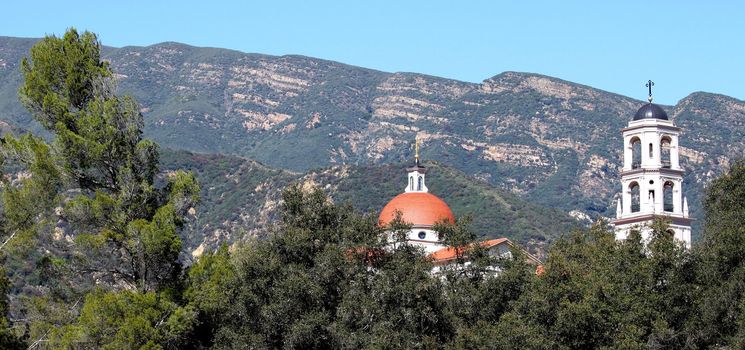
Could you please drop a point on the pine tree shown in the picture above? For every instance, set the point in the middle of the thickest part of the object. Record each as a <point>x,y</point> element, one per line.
<point>88,202</point>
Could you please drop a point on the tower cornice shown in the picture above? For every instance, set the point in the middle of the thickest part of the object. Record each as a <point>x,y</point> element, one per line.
<point>658,126</point>
<point>655,170</point>
<point>646,218</point>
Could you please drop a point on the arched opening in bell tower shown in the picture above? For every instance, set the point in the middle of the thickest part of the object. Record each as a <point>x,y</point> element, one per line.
<point>665,151</point>
<point>668,197</point>
<point>636,153</point>
<point>634,189</point>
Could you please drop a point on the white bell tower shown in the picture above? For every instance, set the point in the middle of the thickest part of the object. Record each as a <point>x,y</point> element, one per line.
<point>651,178</point>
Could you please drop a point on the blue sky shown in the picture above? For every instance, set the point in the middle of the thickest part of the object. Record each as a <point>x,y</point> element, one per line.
<point>684,46</point>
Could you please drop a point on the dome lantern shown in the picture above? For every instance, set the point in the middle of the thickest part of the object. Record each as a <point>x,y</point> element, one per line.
<point>416,174</point>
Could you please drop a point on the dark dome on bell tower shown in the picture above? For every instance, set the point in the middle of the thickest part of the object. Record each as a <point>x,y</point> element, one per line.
<point>650,111</point>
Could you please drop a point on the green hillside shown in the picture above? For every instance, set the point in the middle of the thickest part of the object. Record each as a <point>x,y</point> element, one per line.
<point>546,140</point>
<point>239,197</point>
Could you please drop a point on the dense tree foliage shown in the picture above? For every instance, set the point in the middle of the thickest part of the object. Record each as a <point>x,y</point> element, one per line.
<point>720,306</point>
<point>596,292</point>
<point>321,280</point>
<point>324,280</point>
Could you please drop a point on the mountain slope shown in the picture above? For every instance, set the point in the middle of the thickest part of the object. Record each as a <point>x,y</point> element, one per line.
<point>240,197</point>
<point>550,141</point>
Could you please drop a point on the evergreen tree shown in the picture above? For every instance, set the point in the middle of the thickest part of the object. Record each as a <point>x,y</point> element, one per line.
<point>8,339</point>
<point>719,316</point>
<point>479,287</point>
<point>127,320</point>
<point>394,301</point>
<point>88,201</point>
<point>596,292</point>
<point>280,292</point>
<point>323,279</point>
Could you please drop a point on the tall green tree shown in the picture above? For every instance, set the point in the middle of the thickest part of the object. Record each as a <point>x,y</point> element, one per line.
<point>286,288</point>
<point>719,314</point>
<point>89,200</point>
<point>98,150</point>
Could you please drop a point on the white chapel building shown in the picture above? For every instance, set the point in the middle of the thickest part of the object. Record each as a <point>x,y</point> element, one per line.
<point>651,178</point>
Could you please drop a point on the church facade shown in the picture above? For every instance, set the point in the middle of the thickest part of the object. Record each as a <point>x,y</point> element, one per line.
<point>651,177</point>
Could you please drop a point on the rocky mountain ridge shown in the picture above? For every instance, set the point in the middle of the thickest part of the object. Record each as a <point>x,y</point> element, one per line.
<point>550,141</point>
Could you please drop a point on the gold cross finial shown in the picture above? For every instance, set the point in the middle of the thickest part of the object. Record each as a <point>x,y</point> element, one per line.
<point>416,147</point>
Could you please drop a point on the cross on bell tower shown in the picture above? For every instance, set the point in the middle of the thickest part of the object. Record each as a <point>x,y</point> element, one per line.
<point>416,150</point>
<point>650,83</point>
<point>651,177</point>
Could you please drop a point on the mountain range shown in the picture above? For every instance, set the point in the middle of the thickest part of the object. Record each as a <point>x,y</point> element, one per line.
<point>539,141</point>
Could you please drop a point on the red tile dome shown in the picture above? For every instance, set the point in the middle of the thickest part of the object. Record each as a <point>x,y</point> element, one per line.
<point>417,208</point>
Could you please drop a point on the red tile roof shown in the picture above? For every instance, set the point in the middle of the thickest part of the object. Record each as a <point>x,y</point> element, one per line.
<point>445,255</point>
<point>450,253</point>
